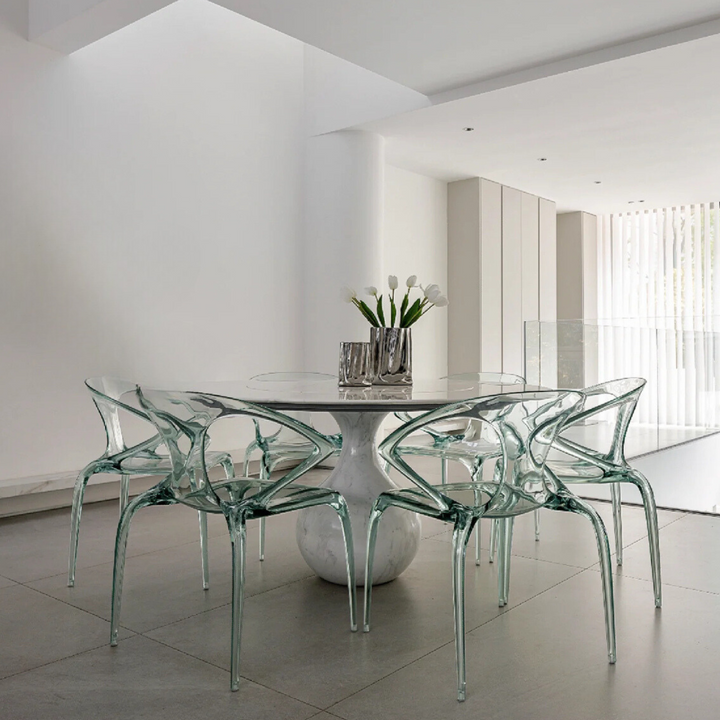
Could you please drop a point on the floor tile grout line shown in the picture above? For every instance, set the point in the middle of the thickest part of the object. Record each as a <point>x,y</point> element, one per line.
<point>224,669</point>
<point>137,632</point>
<point>74,607</point>
<point>449,642</point>
<point>222,605</point>
<point>664,583</point>
<point>66,657</point>
<point>109,562</point>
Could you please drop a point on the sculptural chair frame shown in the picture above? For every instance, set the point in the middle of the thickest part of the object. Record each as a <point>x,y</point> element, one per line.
<point>278,446</point>
<point>140,459</point>
<point>525,424</point>
<point>584,465</point>
<point>465,443</point>
<point>183,421</point>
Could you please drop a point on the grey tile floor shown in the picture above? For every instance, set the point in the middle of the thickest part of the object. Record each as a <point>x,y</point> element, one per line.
<point>543,656</point>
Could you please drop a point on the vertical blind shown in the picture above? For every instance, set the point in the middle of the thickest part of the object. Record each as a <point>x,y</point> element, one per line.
<point>659,304</point>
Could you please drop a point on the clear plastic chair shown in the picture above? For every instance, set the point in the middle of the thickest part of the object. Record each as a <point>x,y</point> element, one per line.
<point>581,464</point>
<point>465,442</point>
<point>118,459</point>
<point>183,420</point>
<point>277,444</point>
<point>526,425</point>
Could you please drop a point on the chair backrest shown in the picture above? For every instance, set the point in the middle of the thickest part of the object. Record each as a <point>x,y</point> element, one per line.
<point>456,429</point>
<point>525,425</point>
<point>621,396</point>
<point>106,393</point>
<point>183,420</point>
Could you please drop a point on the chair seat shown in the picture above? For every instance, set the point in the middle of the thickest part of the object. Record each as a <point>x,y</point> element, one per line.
<point>149,463</point>
<point>511,501</point>
<point>235,490</point>
<point>459,451</point>
<point>576,471</point>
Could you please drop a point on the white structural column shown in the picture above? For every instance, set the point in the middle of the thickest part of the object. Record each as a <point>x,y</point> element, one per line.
<point>343,239</point>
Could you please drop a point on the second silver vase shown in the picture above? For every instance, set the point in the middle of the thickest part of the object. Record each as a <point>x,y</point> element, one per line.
<point>391,350</point>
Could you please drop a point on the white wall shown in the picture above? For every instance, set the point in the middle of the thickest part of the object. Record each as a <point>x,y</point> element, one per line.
<point>150,202</point>
<point>415,243</point>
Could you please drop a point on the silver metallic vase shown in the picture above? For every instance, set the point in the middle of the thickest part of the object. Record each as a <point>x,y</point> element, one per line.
<point>355,368</point>
<point>391,350</point>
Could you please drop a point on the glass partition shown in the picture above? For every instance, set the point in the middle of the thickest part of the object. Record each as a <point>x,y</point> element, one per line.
<point>681,401</point>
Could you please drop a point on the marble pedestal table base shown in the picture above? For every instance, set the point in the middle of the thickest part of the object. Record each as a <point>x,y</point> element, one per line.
<point>358,475</point>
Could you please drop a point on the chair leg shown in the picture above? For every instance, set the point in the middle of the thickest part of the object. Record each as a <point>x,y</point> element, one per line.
<point>148,498</point>
<point>461,535</point>
<point>443,470</point>
<point>202,519</point>
<point>584,508</point>
<point>375,516</point>
<point>124,491</point>
<point>344,514</point>
<point>617,521</point>
<point>248,452</point>
<point>537,525</point>
<point>78,495</point>
<point>504,555</point>
<point>264,475</point>
<point>229,468</point>
<point>238,540</point>
<point>648,498</point>
<point>493,539</point>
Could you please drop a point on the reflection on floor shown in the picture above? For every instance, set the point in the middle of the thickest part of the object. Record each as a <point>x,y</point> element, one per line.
<point>541,657</point>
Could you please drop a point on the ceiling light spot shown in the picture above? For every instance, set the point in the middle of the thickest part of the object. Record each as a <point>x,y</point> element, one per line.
<point>468,129</point>
<point>598,182</point>
<point>542,159</point>
<point>630,202</point>
<point>641,201</point>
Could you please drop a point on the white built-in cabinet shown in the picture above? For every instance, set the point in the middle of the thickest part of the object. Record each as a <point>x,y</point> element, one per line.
<point>501,272</point>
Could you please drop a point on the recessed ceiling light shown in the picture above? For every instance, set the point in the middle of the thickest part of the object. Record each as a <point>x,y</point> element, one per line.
<point>468,129</point>
<point>542,159</point>
<point>641,201</point>
<point>630,202</point>
<point>598,182</point>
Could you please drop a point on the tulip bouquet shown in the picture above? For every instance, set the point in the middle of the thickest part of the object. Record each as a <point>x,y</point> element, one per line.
<point>408,313</point>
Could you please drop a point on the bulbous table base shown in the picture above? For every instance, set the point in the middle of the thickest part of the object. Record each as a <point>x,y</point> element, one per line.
<point>359,477</point>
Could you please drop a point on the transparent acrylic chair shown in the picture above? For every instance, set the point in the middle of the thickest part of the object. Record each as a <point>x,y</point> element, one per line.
<point>183,421</point>
<point>465,442</point>
<point>278,444</point>
<point>118,459</point>
<point>526,424</point>
<point>580,463</point>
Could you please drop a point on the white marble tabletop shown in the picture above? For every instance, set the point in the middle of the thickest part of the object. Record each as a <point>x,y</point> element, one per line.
<point>325,394</point>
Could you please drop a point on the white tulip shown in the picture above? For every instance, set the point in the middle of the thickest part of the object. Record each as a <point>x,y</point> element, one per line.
<point>411,281</point>
<point>431,292</point>
<point>393,282</point>
<point>371,290</point>
<point>348,294</point>
<point>440,301</point>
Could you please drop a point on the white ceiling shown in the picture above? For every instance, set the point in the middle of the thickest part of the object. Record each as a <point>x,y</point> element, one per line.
<point>433,45</point>
<point>647,127</point>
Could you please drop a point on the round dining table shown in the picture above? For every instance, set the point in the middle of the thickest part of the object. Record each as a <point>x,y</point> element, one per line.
<point>358,475</point>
